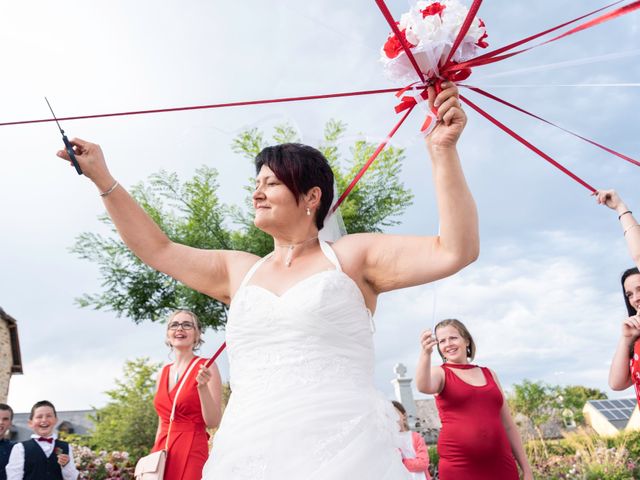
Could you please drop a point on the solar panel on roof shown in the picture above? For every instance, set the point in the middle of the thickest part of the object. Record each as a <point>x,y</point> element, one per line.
<point>607,404</point>
<point>618,403</point>
<point>608,414</point>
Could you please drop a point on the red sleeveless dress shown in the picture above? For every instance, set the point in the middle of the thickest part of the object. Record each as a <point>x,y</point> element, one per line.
<point>473,443</point>
<point>634,367</point>
<point>188,440</point>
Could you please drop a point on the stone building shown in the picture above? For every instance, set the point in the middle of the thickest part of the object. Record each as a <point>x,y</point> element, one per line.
<point>10,360</point>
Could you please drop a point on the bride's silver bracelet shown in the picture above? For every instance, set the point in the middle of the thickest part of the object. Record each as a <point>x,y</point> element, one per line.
<point>113,187</point>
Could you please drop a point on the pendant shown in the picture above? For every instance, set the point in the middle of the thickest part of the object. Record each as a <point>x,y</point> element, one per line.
<point>287,260</point>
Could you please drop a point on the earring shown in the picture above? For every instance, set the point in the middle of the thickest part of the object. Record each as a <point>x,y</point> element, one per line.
<point>308,211</point>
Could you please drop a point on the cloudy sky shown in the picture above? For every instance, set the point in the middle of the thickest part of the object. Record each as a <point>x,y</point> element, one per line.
<point>543,300</point>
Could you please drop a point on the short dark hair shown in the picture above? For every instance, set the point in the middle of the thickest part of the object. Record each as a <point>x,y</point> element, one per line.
<point>300,168</point>
<point>42,403</point>
<point>627,273</point>
<point>4,406</point>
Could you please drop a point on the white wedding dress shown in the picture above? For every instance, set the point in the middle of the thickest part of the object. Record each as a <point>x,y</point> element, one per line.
<point>303,405</point>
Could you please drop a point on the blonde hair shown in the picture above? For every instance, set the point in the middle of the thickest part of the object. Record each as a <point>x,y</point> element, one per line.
<point>464,333</point>
<point>196,322</point>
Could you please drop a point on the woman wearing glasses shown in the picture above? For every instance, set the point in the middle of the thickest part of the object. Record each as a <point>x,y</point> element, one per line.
<point>198,405</point>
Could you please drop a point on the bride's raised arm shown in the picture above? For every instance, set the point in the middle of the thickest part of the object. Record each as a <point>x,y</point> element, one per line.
<point>390,262</point>
<point>212,272</point>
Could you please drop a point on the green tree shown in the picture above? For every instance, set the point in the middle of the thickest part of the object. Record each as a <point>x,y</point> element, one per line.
<point>538,402</point>
<point>574,397</point>
<point>191,213</point>
<point>129,421</point>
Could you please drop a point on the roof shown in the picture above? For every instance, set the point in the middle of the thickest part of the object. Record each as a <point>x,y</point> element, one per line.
<point>16,359</point>
<point>75,421</point>
<point>618,412</point>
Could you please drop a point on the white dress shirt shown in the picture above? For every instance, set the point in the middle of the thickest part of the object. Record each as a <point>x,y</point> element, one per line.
<point>15,466</point>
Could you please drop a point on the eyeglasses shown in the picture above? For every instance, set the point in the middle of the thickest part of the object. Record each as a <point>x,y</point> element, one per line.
<point>182,325</point>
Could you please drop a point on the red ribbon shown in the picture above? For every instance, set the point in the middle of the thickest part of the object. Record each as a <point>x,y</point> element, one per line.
<point>215,105</point>
<point>527,144</point>
<point>511,105</point>
<point>475,6</point>
<point>494,56</point>
<point>216,355</point>
<point>396,31</point>
<point>366,166</point>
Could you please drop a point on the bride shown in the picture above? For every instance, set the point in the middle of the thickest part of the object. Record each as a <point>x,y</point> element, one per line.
<point>299,331</point>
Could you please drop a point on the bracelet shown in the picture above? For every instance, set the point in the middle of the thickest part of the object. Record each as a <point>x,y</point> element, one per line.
<point>629,228</point>
<point>113,187</point>
<point>624,213</point>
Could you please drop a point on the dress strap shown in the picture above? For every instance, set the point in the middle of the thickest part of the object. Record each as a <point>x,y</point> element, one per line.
<point>330,254</point>
<point>252,270</point>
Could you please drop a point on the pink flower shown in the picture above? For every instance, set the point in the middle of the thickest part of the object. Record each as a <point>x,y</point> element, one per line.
<point>393,47</point>
<point>435,8</point>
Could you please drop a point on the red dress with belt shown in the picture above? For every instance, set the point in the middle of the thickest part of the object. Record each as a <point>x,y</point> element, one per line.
<point>188,439</point>
<point>473,443</point>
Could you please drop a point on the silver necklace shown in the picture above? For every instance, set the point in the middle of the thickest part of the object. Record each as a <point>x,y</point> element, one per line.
<point>291,247</point>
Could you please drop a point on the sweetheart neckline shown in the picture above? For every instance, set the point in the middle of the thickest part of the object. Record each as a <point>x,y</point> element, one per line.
<point>302,281</point>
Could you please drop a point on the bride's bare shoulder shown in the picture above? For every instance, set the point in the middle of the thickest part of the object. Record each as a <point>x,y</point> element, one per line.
<point>351,249</point>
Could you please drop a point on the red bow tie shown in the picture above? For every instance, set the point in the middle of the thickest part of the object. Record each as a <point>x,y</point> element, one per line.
<point>45,439</point>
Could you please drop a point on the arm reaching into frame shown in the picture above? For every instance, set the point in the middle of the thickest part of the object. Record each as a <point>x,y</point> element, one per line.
<point>629,224</point>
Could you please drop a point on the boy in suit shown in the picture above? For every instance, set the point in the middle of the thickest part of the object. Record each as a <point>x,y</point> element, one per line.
<point>6,417</point>
<point>44,457</point>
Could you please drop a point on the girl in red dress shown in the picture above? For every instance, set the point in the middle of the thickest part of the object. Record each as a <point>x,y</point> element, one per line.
<point>197,407</point>
<point>625,366</point>
<point>479,439</point>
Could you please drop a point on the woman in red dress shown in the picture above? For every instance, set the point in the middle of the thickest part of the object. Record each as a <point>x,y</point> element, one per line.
<point>625,366</point>
<point>479,439</point>
<point>198,404</point>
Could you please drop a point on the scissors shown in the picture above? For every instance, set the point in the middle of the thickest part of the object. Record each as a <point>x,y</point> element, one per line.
<point>67,144</point>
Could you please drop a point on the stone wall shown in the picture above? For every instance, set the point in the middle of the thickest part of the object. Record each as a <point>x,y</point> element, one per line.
<point>6,360</point>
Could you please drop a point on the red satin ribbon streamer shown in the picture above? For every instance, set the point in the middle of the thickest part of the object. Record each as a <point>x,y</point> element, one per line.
<point>475,6</point>
<point>366,166</point>
<point>511,105</point>
<point>396,31</point>
<point>494,56</point>
<point>216,355</point>
<point>530,146</point>
<point>215,105</point>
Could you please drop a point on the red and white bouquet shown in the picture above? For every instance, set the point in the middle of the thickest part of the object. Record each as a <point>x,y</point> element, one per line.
<point>430,29</point>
